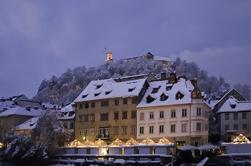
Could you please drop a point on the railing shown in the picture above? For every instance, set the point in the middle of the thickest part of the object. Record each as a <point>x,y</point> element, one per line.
<point>133,159</point>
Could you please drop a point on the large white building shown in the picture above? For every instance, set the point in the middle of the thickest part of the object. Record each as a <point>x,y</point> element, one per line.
<point>175,109</point>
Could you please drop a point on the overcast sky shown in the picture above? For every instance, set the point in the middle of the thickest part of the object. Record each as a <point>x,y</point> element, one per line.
<point>39,39</point>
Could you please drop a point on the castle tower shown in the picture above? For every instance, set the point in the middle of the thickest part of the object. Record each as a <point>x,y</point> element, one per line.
<point>108,56</point>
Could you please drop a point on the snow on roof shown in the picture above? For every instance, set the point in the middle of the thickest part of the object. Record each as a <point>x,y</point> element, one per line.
<point>212,103</point>
<point>17,110</point>
<point>29,124</point>
<point>161,93</point>
<point>67,112</point>
<point>6,104</point>
<point>233,105</point>
<point>109,88</point>
<point>161,58</point>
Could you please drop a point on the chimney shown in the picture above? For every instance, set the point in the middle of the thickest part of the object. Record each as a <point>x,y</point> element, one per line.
<point>194,82</point>
<point>163,76</point>
<point>172,78</point>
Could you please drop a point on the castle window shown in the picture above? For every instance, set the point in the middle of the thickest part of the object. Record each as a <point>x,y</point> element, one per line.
<point>149,99</point>
<point>179,96</point>
<point>163,97</point>
<point>155,90</point>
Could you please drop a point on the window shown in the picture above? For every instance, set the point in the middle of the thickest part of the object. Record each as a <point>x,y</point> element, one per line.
<point>198,126</point>
<point>244,115</point>
<point>244,126</point>
<point>149,99</point>
<point>161,114</point>
<point>107,92</point>
<point>124,130</point>
<point>103,132</point>
<point>85,132</point>
<point>179,96</point>
<point>141,130</point>
<point>116,115</point>
<point>226,127</point>
<point>133,130</point>
<point>155,90</point>
<point>71,125</point>
<point>151,129</point>
<point>235,126</point>
<point>92,117</point>
<point>115,130</point>
<point>131,89</point>
<point>104,103</point>
<point>116,102</point>
<point>198,112</point>
<point>80,118</point>
<point>173,113</point>
<point>86,118</point>
<point>161,129</point>
<point>92,105</point>
<point>133,114</point>
<point>184,112</point>
<point>151,115</point>
<point>226,116</point>
<point>124,115</point>
<point>86,105</point>
<point>235,115</point>
<point>124,101</point>
<point>80,106</point>
<point>172,128</point>
<point>141,116</point>
<point>163,97</point>
<point>134,100</point>
<point>184,128</point>
<point>104,117</point>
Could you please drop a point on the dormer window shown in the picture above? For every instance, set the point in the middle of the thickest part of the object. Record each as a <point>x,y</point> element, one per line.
<point>108,92</point>
<point>99,86</point>
<point>84,96</point>
<point>96,94</point>
<point>179,96</point>
<point>163,97</point>
<point>155,90</point>
<point>168,87</point>
<point>149,99</point>
<point>131,89</point>
<point>233,105</point>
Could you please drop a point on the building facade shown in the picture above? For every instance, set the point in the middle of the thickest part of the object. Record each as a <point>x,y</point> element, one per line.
<point>106,109</point>
<point>234,118</point>
<point>173,108</point>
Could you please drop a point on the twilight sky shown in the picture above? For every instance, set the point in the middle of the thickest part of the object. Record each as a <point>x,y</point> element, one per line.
<point>42,38</point>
